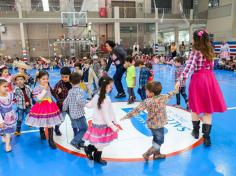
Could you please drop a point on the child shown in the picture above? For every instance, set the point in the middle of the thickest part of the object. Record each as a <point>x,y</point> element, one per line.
<point>151,72</point>
<point>4,74</point>
<point>88,77</point>
<point>78,68</point>
<point>205,96</point>
<point>45,113</point>
<point>179,62</point>
<point>74,105</point>
<point>7,115</point>
<point>22,97</point>
<point>155,105</point>
<point>61,90</point>
<point>143,78</point>
<point>103,129</point>
<point>102,71</point>
<point>130,78</point>
<point>22,67</point>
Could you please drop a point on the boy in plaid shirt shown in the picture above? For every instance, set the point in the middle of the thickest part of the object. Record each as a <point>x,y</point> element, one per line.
<point>74,104</point>
<point>22,97</point>
<point>179,64</point>
<point>143,78</point>
<point>61,90</point>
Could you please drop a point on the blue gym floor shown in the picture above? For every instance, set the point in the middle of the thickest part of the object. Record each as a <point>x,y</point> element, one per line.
<point>31,156</point>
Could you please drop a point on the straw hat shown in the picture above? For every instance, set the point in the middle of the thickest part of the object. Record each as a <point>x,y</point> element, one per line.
<point>21,64</point>
<point>19,75</point>
<point>45,60</point>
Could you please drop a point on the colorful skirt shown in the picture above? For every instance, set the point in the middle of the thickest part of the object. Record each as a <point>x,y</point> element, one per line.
<point>9,123</point>
<point>44,114</point>
<point>100,134</point>
<point>205,95</point>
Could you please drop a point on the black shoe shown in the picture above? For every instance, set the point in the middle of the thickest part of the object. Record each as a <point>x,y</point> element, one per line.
<point>97,158</point>
<point>120,95</point>
<point>206,130</point>
<point>42,133</point>
<point>77,146</point>
<point>89,151</point>
<point>50,139</point>
<point>196,127</point>
<point>57,130</point>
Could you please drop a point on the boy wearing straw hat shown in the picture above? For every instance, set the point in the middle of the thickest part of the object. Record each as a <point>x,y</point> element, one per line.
<point>22,67</point>
<point>22,97</point>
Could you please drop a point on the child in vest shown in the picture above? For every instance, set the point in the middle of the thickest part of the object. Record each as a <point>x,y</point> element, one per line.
<point>23,99</point>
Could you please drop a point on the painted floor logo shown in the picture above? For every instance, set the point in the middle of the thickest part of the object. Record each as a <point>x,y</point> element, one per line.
<point>135,137</point>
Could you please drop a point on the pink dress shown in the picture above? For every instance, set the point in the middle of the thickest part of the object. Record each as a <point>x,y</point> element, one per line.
<point>102,131</point>
<point>44,113</point>
<point>205,95</point>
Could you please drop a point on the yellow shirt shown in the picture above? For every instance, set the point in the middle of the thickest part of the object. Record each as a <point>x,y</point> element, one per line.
<point>130,77</point>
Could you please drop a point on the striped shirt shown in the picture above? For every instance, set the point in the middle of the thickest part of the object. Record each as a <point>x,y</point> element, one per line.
<point>195,63</point>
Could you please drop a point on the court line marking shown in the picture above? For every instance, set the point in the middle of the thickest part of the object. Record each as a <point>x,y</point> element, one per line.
<point>231,108</point>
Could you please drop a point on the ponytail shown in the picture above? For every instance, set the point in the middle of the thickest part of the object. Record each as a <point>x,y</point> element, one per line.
<point>103,82</point>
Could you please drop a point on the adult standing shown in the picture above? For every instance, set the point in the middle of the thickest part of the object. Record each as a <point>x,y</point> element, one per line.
<point>173,49</point>
<point>182,49</point>
<point>205,96</point>
<point>117,55</point>
<point>224,51</point>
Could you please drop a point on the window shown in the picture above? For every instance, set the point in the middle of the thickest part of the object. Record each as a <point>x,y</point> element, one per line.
<point>213,3</point>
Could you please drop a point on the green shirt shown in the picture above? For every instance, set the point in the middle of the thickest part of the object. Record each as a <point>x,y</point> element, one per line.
<point>130,77</point>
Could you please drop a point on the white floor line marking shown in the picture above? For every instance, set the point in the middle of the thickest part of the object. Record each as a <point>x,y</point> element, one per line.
<point>231,108</point>
<point>29,131</point>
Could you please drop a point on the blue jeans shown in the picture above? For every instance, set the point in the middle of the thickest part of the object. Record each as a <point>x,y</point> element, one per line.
<point>22,113</point>
<point>142,92</point>
<point>158,137</point>
<point>81,126</point>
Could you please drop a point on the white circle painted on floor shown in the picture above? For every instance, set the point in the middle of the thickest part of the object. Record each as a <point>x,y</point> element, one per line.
<point>135,137</point>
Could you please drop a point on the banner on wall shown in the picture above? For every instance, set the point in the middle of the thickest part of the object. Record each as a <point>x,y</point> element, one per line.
<point>232,46</point>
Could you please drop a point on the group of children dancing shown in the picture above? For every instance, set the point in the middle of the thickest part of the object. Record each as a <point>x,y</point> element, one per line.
<point>41,111</point>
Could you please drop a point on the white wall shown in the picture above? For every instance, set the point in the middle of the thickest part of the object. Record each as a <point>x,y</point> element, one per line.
<point>225,2</point>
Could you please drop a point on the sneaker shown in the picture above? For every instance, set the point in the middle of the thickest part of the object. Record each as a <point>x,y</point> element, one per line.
<point>120,95</point>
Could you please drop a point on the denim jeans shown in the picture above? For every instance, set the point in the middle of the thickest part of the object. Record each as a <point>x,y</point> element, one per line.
<point>182,91</point>
<point>117,79</point>
<point>81,126</point>
<point>22,113</point>
<point>142,93</point>
<point>158,137</point>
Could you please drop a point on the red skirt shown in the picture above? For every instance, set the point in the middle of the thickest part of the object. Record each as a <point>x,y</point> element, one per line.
<point>44,114</point>
<point>205,95</point>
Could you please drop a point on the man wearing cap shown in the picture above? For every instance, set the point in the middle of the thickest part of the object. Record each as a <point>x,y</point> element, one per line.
<point>117,56</point>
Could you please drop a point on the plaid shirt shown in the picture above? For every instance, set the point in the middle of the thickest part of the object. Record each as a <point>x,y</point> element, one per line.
<point>60,97</point>
<point>74,103</point>
<point>156,108</point>
<point>143,76</point>
<point>19,97</point>
<point>195,62</point>
<point>178,72</point>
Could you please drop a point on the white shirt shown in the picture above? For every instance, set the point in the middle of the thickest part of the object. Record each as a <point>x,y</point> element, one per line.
<point>105,115</point>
